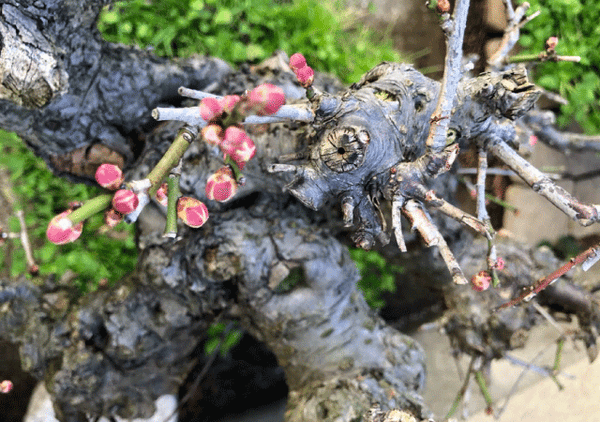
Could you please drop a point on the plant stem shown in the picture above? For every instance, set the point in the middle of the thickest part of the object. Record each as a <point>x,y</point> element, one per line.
<point>484,390</point>
<point>173,195</point>
<point>182,141</point>
<point>91,207</point>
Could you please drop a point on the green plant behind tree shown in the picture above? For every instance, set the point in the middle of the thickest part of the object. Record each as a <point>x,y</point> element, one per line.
<point>250,30</point>
<point>575,23</point>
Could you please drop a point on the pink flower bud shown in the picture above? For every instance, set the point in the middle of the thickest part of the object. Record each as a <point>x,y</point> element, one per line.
<point>125,201</point>
<point>161,195</point>
<point>481,281</point>
<point>212,134</point>
<point>192,211</point>
<point>532,140</point>
<point>61,230</point>
<point>305,76</point>
<point>6,386</point>
<point>112,218</point>
<point>228,102</point>
<point>109,176</point>
<point>210,108</point>
<point>297,61</point>
<point>238,145</point>
<point>499,265</point>
<point>551,43</point>
<point>221,186</point>
<point>266,99</point>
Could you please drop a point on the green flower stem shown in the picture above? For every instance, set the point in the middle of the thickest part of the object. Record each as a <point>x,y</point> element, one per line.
<point>557,357</point>
<point>181,143</point>
<point>524,58</point>
<point>484,389</point>
<point>91,207</point>
<point>237,173</point>
<point>173,195</point>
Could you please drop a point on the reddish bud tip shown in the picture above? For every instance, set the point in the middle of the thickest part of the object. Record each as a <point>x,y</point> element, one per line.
<point>34,269</point>
<point>481,281</point>
<point>192,211</point>
<point>297,61</point>
<point>112,218</point>
<point>6,386</point>
<point>443,6</point>
<point>61,230</point>
<point>228,102</point>
<point>161,195</point>
<point>221,186</point>
<point>125,201</point>
<point>109,176</point>
<point>212,134</point>
<point>551,43</point>
<point>210,108</point>
<point>266,99</point>
<point>305,76</point>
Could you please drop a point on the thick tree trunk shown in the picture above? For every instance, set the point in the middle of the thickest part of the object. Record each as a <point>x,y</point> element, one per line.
<point>263,259</point>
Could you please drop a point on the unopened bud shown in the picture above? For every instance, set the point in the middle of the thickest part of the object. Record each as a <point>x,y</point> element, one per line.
<point>228,102</point>
<point>61,230</point>
<point>297,61</point>
<point>210,108</point>
<point>443,6</point>
<point>500,264</point>
<point>551,43</point>
<point>266,99</point>
<point>6,386</point>
<point>212,134</point>
<point>305,76</point>
<point>238,145</point>
<point>161,195</point>
<point>109,176</point>
<point>112,218</point>
<point>125,201</point>
<point>481,281</point>
<point>221,186</point>
<point>192,211</point>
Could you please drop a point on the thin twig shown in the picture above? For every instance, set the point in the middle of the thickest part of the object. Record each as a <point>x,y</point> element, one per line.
<point>432,237</point>
<point>440,119</point>
<point>541,284</point>
<point>463,389</point>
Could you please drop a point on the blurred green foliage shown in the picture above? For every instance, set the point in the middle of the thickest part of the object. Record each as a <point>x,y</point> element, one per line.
<point>250,30</point>
<point>42,195</point>
<point>377,276</point>
<point>575,23</point>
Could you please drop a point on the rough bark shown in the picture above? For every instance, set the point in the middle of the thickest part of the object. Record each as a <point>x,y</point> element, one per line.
<point>263,259</point>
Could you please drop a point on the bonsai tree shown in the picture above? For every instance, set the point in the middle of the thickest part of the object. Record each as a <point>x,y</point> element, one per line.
<point>268,189</point>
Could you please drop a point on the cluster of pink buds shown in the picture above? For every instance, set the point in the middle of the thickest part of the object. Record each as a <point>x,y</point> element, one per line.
<point>223,130</point>
<point>6,386</point>
<point>481,281</point>
<point>304,73</point>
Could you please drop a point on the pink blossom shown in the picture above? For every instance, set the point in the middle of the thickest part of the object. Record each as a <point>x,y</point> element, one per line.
<point>210,108</point>
<point>266,99</point>
<point>221,186</point>
<point>125,201</point>
<point>192,211</point>
<point>109,176</point>
<point>61,230</point>
<point>228,102</point>
<point>499,265</point>
<point>212,134</point>
<point>481,281</point>
<point>297,61</point>
<point>6,386</point>
<point>161,195</point>
<point>305,76</point>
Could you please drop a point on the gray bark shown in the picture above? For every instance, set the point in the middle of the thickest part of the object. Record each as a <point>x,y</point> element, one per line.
<point>263,259</point>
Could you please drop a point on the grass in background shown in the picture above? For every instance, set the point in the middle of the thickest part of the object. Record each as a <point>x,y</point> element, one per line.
<point>250,30</point>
